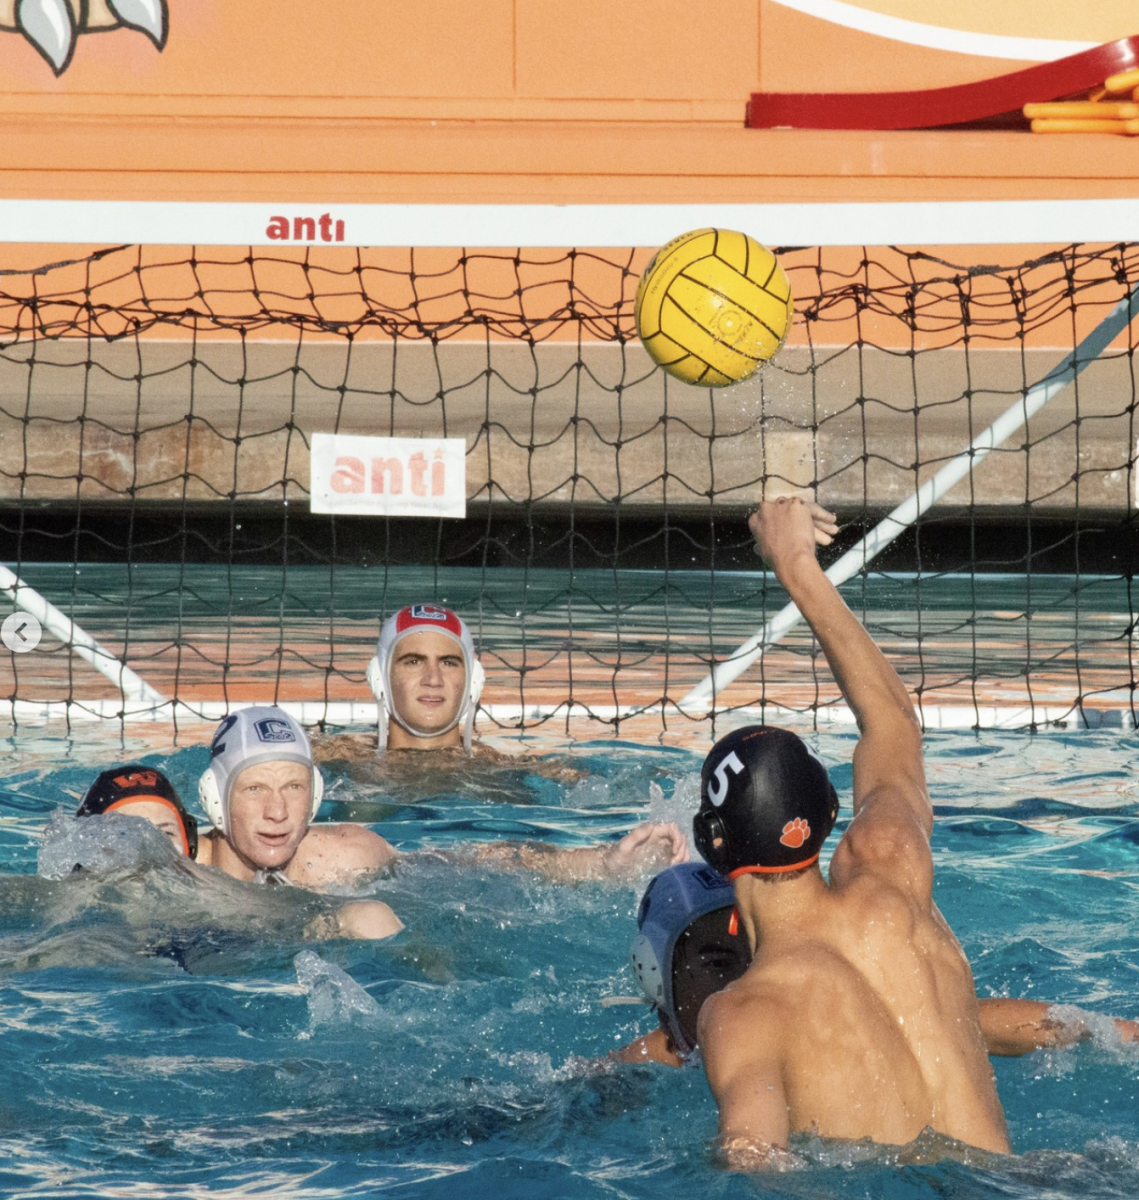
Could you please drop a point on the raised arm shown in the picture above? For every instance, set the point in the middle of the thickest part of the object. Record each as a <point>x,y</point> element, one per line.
<point>893,814</point>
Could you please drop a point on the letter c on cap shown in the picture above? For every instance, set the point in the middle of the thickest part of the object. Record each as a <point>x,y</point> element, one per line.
<point>718,788</point>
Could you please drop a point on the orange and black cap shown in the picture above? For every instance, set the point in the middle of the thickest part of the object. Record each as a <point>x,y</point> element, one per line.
<point>117,789</point>
<point>766,804</point>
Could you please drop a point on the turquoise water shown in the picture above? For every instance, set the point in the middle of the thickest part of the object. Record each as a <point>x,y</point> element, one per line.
<point>172,1033</point>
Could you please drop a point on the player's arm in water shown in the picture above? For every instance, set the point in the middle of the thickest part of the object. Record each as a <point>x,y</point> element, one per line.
<point>364,920</point>
<point>656,1047</point>
<point>1012,1028</point>
<point>347,853</point>
<point>1015,1027</point>
<point>648,847</point>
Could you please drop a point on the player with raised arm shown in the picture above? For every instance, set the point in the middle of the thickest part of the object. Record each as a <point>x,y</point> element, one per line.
<point>688,947</point>
<point>857,1017</point>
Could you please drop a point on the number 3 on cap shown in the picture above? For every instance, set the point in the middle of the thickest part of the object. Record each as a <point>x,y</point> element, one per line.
<point>718,788</point>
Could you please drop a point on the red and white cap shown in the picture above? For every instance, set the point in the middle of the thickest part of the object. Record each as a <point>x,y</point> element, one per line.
<point>421,618</point>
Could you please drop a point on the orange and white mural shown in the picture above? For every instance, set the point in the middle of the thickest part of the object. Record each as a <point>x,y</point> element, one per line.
<point>536,49</point>
<point>52,27</point>
<point>987,28</point>
<point>510,102</point>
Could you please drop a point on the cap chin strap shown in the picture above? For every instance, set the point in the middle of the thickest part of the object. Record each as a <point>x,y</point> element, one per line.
<point>217,808</point>
<point>376,677</point>
<point>733,875</point>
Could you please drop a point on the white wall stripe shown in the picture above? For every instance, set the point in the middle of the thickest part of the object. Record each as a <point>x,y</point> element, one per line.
<point>937,37</point>
<point>937,223</point>
<point>343,713</point>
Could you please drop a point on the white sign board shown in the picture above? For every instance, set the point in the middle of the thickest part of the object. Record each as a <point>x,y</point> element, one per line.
<point>388,477</point>
<point>865,223</point>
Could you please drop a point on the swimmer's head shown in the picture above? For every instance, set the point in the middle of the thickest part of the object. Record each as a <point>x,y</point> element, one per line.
<point>247,738</point>
<point>766,804</point>
<point>685,951</point>
<point>408,622</point>
<point>141,791</point>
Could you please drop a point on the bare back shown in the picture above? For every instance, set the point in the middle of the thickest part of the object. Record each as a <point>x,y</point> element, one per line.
<point>861,1022</point>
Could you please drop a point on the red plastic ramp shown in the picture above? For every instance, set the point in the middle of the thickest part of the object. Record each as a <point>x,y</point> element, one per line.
<point>965,103</point>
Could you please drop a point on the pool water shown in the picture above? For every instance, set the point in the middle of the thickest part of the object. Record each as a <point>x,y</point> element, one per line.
<point>171,1032</point>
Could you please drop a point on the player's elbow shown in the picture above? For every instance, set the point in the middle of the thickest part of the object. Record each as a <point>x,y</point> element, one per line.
<point>753,1155</point>
<point>897,727</point>
<point>367,919</point>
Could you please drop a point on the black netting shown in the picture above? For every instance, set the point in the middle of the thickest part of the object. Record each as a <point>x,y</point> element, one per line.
<point>157,408</point>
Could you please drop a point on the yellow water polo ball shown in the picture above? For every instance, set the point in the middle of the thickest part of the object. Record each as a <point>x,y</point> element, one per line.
<point>712,305</point>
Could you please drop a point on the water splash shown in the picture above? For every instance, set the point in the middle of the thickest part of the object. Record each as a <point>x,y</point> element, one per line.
<point>334,997</point>
<point>101,844</point>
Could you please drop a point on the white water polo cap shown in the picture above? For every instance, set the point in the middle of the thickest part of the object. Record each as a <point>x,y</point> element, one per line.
<point>425,618</point>
<point>260,734</point>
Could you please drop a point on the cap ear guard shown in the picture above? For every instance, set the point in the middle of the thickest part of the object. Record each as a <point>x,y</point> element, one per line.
<point>210,799</point>
<point>711,839</point>
<point>474,691</point>
<point>478,678</point>
<point>190,829</point>
<point>375,678</point>
<point>647,969</point>
<point>317,792</point>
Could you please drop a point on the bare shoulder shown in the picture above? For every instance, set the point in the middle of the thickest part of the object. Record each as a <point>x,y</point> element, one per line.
<point>743,1037</point>
<point>741,1020</point>
<point>888,839</point>
<point>343,747</point>
<point>338,854</point>
<point>535,764</point>
<point>354,844</point>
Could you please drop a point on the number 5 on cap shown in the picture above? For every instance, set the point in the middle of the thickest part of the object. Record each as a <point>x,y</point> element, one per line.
<point>718,788</point>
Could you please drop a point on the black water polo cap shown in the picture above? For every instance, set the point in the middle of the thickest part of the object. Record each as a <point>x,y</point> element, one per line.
<point>766,804</point>
<point>119,788</point>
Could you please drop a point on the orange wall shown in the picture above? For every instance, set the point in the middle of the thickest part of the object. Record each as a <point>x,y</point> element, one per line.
<point>502,101</point>
<point>529,51</point>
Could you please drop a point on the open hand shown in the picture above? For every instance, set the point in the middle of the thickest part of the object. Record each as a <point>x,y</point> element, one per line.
<point>790,524</point>
<point>649,847</point>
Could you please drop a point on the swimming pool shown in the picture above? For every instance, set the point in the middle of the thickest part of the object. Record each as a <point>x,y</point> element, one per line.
<point>168,1035</point>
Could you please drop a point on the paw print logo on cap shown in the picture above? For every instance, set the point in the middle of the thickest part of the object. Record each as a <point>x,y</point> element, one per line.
<point>795,833</point>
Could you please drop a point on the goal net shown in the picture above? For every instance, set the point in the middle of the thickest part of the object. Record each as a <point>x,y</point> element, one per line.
<point>157,411</point>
